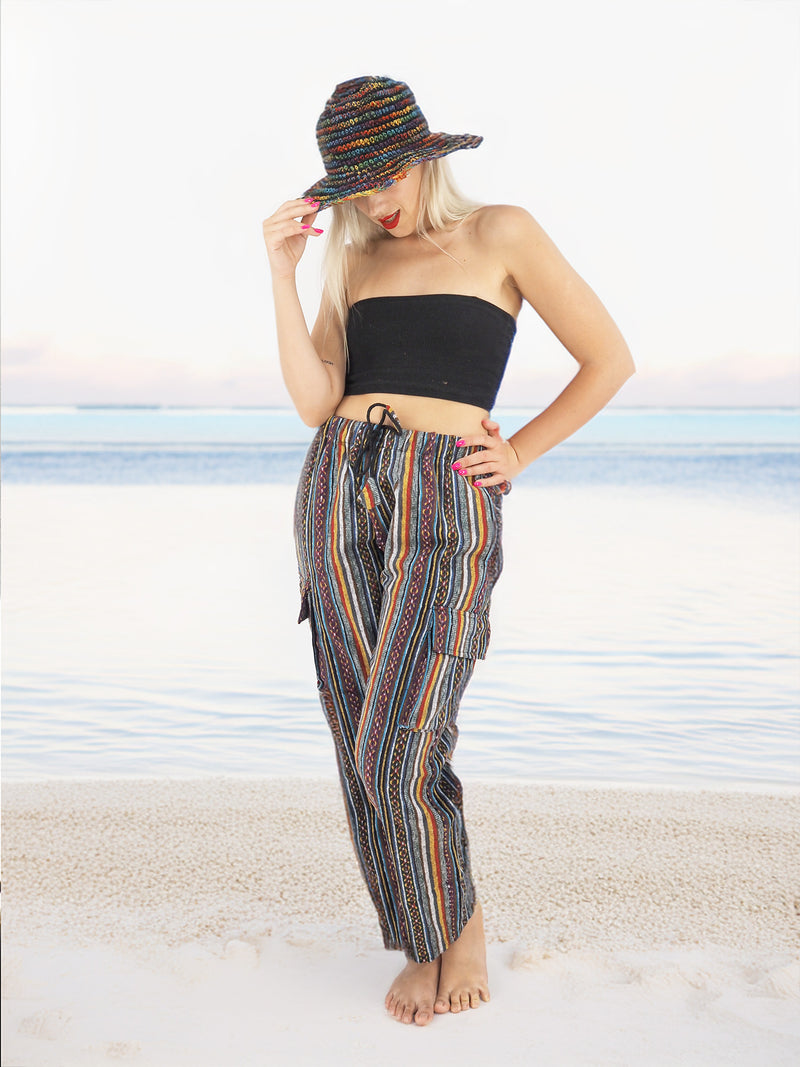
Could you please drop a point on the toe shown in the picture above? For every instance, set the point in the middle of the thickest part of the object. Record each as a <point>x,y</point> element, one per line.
<point>424,1015</point>
<point>407,1015</point>
<point>442,1005</point>
<point>464,998</point>
<point>455,1002</point>
<point>474,999</point>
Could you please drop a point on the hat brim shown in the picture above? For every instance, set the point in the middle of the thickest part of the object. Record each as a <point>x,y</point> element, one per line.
<point>339,186</point>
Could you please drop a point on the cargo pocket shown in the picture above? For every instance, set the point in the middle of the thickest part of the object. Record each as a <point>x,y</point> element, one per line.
<point>304,609</point>
<point>455,640</point>
<point>307,612</point>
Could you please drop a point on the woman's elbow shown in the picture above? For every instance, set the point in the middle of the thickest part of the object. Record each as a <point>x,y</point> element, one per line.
<point>614,371</point>
<point>309,418</point>
<point>620,373</point>
<point>627,368</point>
<point>619,365</point>
<point>315,416</point>
<point>613,362</point>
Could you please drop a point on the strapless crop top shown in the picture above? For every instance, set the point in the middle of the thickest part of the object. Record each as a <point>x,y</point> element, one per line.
<point>441,345</point>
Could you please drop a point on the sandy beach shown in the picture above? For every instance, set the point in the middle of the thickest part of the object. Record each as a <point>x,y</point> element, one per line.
<point>221,921</point>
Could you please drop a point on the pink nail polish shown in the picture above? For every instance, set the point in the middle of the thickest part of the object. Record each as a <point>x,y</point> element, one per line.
<point>460,443</point>
<point>305,227</point>
<point>318,231</point>
<point>456,466</point>
<point>478,482</point>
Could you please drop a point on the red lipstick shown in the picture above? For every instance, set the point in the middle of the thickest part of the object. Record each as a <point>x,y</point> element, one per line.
<point>390,221</point>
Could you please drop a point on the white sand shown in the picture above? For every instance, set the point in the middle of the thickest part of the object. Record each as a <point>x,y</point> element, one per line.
<point>222,923</point>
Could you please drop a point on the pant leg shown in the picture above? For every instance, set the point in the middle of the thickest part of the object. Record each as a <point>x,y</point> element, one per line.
<point>442,557</point>
<point>340,563</point>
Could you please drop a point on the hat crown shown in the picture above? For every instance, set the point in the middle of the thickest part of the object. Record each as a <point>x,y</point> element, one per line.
<point>367,117</point>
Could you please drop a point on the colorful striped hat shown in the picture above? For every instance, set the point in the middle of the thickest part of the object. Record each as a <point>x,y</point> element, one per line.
<point>370,134</point>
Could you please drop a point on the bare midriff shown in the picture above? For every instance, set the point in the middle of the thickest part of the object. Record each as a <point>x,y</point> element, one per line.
<point>417,412</point>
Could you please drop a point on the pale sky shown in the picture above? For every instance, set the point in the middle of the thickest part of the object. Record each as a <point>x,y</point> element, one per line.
<point>143,142</point>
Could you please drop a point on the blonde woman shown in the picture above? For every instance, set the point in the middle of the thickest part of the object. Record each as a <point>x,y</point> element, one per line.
<point>398,510</point>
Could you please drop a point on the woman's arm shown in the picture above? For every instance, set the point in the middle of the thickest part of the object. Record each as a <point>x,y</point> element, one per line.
<point>578,319</point>
<point>312,364</point>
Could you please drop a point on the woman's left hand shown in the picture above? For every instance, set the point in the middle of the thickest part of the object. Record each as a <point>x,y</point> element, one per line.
<point>496,463</point>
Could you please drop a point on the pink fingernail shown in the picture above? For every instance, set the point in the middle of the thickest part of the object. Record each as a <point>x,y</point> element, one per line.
<point>308,200</point>
<point>456,466</point>
<point>317,231</point>
<point>478,481</point>
<point>460,443</point>
<point>305,227</point>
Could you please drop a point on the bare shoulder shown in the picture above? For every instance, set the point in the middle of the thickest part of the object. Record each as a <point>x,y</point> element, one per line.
<point>505,224</point>
<point>513,237</point>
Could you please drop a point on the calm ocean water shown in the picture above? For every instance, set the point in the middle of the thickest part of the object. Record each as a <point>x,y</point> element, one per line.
<point>645,630</point>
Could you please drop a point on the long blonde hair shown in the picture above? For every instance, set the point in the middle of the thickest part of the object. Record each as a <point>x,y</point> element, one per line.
<point>441,206</point>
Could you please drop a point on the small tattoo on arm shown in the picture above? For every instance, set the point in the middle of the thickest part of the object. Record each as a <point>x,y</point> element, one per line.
<point>330,364</point>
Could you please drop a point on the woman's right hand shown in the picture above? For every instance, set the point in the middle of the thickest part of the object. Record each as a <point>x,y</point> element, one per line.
<point>285,236</point>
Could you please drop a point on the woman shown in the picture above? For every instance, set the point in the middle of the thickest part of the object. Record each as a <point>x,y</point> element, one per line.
<point>398,512</point>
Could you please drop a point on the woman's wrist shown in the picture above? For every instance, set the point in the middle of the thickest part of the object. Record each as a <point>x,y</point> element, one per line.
<point>284,284</point>
<point>526,447</point>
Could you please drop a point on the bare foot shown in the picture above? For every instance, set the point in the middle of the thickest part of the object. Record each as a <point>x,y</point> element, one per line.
<point>410,998</point>
<point>463,980</point>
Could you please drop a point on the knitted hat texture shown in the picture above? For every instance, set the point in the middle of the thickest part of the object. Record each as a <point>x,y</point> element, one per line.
<point>370,134</point>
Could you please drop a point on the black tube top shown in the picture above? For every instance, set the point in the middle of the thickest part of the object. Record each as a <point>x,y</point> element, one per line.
<point>441,345</point>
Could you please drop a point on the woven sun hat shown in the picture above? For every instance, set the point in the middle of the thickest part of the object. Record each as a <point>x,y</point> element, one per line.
<point>370,134</point>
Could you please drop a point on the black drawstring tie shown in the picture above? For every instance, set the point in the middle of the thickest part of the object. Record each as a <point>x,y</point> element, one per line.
<point>365,457</point>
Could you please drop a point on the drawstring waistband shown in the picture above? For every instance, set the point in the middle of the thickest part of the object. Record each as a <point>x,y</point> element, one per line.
<point>366,454</point>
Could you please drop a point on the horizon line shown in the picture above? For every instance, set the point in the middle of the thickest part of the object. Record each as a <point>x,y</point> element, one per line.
<point>94,406</point>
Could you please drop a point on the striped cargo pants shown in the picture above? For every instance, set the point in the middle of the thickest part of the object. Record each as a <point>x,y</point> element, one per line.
<point>398,555</point>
